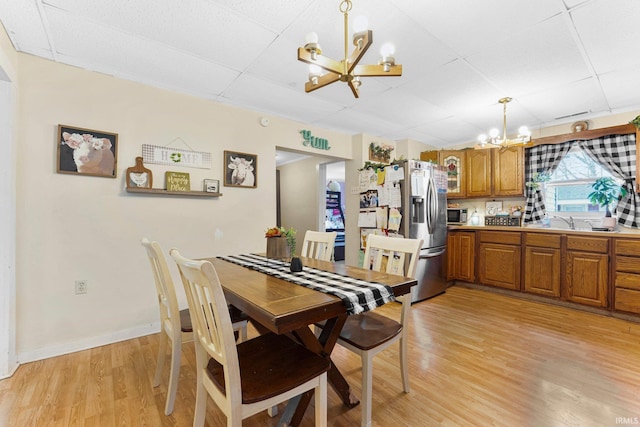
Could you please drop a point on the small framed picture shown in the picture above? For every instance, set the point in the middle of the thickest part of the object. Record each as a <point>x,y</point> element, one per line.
<point>240,169</point>
<point>86,152</point>
<point>211,185</point>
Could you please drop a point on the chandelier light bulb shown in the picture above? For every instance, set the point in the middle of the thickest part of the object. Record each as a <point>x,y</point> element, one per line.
<point>315,70</point>
<point>360,24</point>
<point>482,138</point>
<point>311,38</point>
<point>524,131</point>
<point>493,133</point>
<point>387,49</point>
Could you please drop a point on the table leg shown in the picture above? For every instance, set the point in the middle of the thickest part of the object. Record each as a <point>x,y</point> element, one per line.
<point>323,345</point>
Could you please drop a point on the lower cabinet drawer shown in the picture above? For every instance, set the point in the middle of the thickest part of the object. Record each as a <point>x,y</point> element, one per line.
<point>627,280</point>
<point>627,300</point>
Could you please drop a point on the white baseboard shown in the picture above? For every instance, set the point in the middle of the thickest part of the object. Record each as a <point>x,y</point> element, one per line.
<point>91,342</point>
<point>10,373</point>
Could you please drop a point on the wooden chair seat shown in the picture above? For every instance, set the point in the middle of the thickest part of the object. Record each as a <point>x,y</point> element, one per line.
<point>237,317</point>
<point>368,330</point>
<point>269,366</point>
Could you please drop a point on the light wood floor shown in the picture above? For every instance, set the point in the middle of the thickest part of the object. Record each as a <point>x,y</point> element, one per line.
<point>477,359</point>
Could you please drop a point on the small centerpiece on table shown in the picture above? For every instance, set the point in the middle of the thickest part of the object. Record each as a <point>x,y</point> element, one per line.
<point>281,243</point>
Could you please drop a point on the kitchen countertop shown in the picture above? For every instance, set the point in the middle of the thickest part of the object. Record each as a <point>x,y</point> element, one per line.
<point>620,232</point>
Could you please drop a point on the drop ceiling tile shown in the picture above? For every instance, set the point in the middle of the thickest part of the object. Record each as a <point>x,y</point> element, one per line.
<point>470,26</point>
<point>22,22</point>
<point>355,122</point>
<point>276,15</point>
<point>263,96</point>
<point>567,100</point>
<point>456,87</point>
<point>400,106</point>
<point>451,130</point>
<point>622,88</point>
<point>610,34</point>
<point>199,27</point>
<point>539,58</point>
<point>113,52</point>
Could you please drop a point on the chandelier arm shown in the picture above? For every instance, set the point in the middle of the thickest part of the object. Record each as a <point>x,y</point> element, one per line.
<point>358,53</point>
<point>321,61</point>
<point>354,89</point>
<point>323,81</point>
<point>376,71</point>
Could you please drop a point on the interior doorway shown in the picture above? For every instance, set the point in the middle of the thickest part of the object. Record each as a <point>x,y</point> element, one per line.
<point>302,185</point>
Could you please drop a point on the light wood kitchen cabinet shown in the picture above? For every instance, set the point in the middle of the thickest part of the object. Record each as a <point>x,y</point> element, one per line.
<point>587,270</point>
<point>461,256</point>
<point>478,173</point>
<point>493,172</point>
<point>508,171</point>
<point>542,264</point>
<point>499,259</point>
<point>627,276</point>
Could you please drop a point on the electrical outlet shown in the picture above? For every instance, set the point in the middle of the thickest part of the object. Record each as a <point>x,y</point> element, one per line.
<point>81,287</point>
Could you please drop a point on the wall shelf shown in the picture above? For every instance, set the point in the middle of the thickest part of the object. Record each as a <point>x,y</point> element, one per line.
<point>161,192</point>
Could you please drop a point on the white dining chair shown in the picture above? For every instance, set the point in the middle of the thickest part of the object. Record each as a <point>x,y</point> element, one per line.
<point>319,245</point>
<point>175,324</point>
<point>369,333</point>
<point>256,374</point>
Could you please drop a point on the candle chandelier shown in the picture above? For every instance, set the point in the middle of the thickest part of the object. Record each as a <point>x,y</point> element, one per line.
<point>346,70</point>
<point>524,135</point>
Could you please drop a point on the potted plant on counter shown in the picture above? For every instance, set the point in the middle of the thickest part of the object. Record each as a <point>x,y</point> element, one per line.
<point>605,192</point>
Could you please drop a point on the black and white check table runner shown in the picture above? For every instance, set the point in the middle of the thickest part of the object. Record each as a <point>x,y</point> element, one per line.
<point>358,295</point>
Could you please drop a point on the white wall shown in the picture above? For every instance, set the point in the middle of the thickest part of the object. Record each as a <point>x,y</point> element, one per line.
<point>73,227</point>
<point>8,107</point>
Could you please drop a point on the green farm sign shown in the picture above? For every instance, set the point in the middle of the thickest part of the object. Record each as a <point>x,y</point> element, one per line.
<point>314,141</point>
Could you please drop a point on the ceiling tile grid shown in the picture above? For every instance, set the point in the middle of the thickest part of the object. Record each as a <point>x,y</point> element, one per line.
<point>556,58</point>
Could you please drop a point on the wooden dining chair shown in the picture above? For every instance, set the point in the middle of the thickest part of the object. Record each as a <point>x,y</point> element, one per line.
<point>369,333</point>
<point>256,374</point>
<point>319,245</point>
<point>175,324</point>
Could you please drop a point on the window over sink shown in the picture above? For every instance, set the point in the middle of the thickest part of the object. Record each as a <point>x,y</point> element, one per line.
<point>570,184</point>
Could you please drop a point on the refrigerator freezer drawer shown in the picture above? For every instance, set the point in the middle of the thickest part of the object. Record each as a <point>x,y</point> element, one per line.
<point>431,274</point>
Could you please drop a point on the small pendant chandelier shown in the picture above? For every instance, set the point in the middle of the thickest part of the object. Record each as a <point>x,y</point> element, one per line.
<point>346,70</point>
<point>524,135</point>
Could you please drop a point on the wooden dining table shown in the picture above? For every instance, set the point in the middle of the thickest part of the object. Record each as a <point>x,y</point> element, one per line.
<point>276,305</point>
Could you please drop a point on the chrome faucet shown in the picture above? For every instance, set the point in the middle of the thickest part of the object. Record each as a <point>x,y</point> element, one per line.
<point>570,222</point>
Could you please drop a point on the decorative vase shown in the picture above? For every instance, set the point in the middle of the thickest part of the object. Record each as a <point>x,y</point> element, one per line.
<point>296,265</point>
<point>277,248</point>
<point>609,222</point>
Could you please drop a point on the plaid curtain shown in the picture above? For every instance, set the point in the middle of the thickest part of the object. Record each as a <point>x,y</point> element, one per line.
<point>541,158</point>
<point>617,154</point>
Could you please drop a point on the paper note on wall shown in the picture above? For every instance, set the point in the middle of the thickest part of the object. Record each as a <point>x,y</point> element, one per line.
<point>363,180</point>
<point>394,173</point>
<point>394,219</point>
<point>367,219</point>
<point>381,217</point>
<point>395,196</point>
<point>383,195</point>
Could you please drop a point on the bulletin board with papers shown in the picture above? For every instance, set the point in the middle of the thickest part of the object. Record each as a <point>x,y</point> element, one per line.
<point>380,201</point>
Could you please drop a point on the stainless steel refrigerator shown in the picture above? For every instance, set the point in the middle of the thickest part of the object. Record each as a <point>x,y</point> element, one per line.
<point>424,202</point>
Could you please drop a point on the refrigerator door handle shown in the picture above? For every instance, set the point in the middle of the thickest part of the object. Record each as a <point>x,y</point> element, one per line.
<point>432,254</point>
<point>432,206</point>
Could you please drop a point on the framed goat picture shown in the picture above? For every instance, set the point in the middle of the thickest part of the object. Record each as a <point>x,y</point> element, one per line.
<point>86,152</point>
<point>240,169</point>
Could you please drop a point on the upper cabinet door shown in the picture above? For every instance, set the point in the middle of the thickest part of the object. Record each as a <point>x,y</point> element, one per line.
<point>478,173</point>
<point>508,171</point>
<point>454,162</point>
